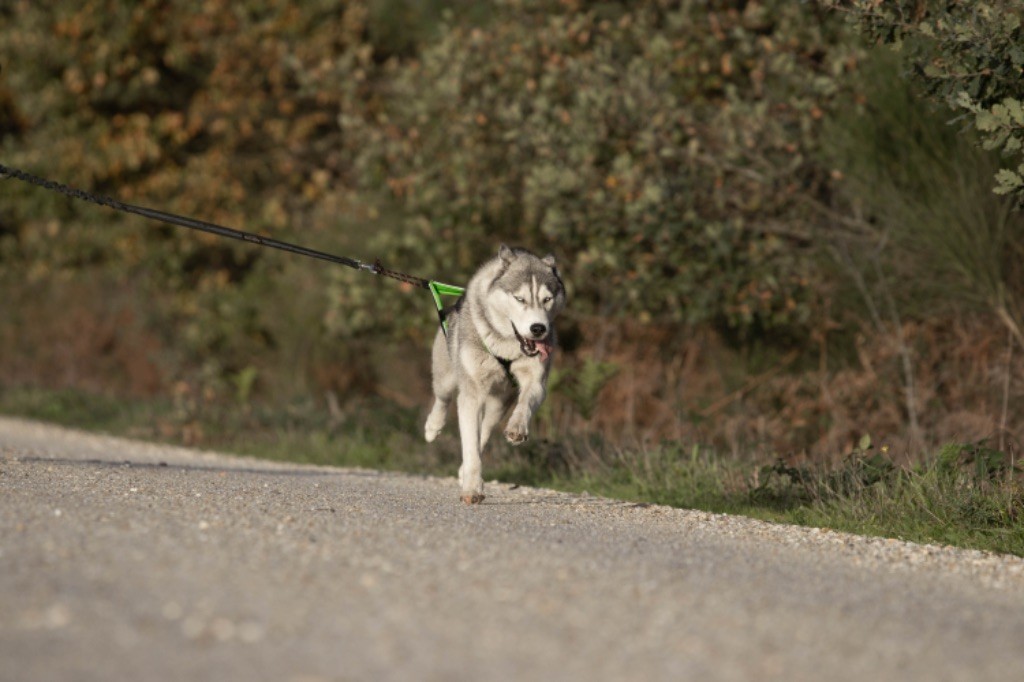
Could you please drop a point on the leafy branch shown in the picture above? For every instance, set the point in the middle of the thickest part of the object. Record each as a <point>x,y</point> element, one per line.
<point>966,54</point>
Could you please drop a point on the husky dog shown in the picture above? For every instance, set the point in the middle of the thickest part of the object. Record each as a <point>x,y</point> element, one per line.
<point>497,353</point>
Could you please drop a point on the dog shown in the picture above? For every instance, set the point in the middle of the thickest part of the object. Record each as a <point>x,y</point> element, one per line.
<point>496,354</point>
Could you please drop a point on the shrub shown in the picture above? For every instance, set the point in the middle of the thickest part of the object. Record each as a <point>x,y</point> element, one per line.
<point>227,111</point>
<point>930,220</point>
<point>662,147</point>
<point>966,53</point>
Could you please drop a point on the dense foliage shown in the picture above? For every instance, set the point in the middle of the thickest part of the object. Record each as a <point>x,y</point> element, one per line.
<point>966,53</point>
<point>661,149</point>
<point>664,148</point>
<point>693,165</point>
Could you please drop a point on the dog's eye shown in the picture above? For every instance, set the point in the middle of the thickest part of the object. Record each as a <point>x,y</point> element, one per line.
<point>520,299</point>
<point>547,299</point>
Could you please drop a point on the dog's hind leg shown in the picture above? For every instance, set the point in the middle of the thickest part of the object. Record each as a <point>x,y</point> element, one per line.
<point>445,385</point>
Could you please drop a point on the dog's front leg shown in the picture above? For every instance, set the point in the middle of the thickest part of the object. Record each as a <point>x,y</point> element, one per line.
<point>531,395</point>
<point>471,480</point>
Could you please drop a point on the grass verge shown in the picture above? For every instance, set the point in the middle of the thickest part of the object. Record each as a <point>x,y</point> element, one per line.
<point>967,495</point>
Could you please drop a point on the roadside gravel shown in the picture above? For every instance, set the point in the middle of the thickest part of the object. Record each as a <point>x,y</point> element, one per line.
<point>127,560</point>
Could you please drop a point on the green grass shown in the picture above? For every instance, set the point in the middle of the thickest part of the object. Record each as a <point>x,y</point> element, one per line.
<point>966,495</point>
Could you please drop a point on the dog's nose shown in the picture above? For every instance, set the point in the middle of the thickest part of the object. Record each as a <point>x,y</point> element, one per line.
<point>538,330</point>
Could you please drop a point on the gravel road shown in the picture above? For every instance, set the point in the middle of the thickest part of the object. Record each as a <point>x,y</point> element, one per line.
<point>122,560</point>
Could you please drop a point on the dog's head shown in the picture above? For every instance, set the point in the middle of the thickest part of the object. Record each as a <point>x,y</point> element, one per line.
<point>525,297</point>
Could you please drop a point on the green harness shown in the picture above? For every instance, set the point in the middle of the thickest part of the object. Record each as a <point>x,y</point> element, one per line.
<point>439,289</point>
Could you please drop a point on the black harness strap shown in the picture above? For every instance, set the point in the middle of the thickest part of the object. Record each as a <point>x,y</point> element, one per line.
<point>507,366</point>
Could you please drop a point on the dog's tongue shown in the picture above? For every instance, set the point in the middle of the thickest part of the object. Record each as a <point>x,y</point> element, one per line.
<point>543,348</point>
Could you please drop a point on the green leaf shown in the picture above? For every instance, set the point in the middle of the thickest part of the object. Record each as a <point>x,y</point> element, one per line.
<point>964,100</point>
<point>987,121</point>
<point>1008,181</point>
<point>1014,110</point>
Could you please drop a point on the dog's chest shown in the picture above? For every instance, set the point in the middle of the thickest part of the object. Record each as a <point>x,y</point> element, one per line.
<point>499,378</point>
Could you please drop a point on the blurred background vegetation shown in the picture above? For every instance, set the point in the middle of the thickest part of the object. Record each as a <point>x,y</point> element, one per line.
<point>778,236</point>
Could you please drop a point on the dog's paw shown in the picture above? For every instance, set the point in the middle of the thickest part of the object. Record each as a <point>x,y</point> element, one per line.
<point>515,434</point>
<point>472,498</point>
<point>433,427</point>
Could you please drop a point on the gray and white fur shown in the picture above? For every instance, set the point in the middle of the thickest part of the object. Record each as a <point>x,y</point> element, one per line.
<point>496,355</point>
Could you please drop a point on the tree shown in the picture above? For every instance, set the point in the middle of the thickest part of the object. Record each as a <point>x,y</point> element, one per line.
<point>968,54</point>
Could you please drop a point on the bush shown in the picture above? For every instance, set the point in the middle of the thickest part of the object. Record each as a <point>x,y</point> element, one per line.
<point>966,53</point>
<point>661,148</point>
<point>226,112</point>
<point>929,218</point>
<point>668,152</point>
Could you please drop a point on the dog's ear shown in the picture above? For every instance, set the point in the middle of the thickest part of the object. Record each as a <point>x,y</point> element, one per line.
<point>506,254</point>
<point>549,260</point>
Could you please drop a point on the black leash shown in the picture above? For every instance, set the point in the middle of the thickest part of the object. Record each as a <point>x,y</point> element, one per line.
<point>213,228</point>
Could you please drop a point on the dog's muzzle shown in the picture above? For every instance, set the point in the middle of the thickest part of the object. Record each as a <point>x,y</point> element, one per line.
<point>532,347</point>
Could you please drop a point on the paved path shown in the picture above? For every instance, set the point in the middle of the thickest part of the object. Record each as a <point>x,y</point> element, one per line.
<point>129,561</point>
